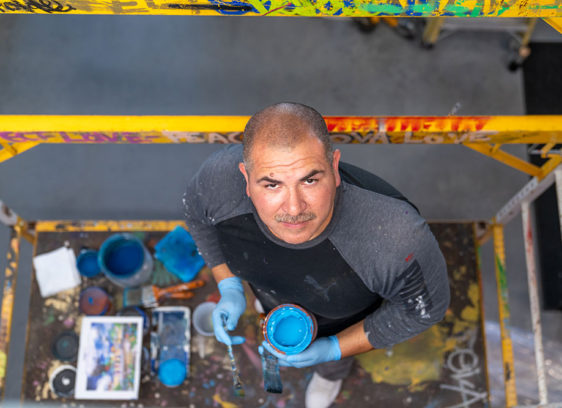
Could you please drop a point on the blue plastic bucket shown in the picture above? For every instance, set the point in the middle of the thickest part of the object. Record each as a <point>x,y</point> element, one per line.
<point>87,263</point>
<point>289,328</point>
<point>125,261</point>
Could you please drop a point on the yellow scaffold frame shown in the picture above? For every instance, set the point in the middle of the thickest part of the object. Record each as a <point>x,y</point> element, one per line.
<point>484,134</point>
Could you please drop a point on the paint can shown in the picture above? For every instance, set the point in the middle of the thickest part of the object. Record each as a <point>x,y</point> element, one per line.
<point>65,346</point>
<point>125,260</point>
<point>63,380</point>
<point>87,263</point>
<point>203,318</point>
<point>94,301</point>
<point>289,328</point>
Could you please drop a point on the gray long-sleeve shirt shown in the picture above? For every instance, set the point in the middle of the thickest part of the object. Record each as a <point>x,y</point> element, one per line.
<point>377,260</point>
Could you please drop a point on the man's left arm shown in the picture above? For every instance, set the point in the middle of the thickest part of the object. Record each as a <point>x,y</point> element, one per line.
<point>415,287</point>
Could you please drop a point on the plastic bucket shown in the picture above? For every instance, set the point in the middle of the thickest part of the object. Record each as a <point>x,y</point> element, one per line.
<point>87,263</point>
<point>203,318</point>
<point>125,261</point>
<point>289,328</point>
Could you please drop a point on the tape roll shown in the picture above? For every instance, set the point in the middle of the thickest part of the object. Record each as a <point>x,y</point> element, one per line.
<point>65,346</point>
<point>63,380</point>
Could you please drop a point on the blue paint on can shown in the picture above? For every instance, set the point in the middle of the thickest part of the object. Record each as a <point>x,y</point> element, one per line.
<point>125,261</point>
<point>172,372</point>
<point>290,329</point>
<point>124,258</point>
<point>87,263</point>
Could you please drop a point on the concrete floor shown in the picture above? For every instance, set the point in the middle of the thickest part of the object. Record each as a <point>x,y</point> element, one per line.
<point>208,65</point>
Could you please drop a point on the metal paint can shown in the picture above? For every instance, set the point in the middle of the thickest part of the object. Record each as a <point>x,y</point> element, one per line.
<point>125,260</point>
<point>289,328</point>
<point>94,301</point>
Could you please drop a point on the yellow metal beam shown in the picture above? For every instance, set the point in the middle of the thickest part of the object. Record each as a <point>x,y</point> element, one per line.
<point>10,150</point>
<point>549,166</point>
<point>547,148</point>
<point>319,8</point>
<point>9,292</point>
<point>432,29</point>
<point>555,22</point>
<point>504,315</point>
<point>506,158</point>
<point>17,129</point>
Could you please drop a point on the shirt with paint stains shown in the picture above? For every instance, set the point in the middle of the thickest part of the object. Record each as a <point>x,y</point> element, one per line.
<point>377,259</point>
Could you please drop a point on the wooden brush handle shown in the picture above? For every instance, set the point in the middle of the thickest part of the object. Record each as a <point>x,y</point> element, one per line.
<point>179,295</point>
<point>182,287</point>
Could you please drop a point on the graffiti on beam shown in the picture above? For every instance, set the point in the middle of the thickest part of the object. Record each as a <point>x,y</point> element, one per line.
<point>204,137</point>
<point>408,137</point>
<point>369,137</point>
<point>80,137</point>
<point>229,8</point>
<point>464,368</point>
<point>406,123</point>
<point>320,8</point>
<point>32,6</point>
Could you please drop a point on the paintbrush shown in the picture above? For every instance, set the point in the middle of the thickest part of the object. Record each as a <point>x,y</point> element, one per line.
<point>148,296</point>
<point>271,376</point>
<point>270,368</point>
<point>236,382</point>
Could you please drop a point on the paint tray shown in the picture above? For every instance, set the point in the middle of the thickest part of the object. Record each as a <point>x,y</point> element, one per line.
<point>170,344</point>
<point>179,254</point>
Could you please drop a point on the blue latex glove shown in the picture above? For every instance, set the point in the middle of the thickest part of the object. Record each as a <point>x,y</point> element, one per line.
<point>320,351</point>
<point>229,309</point>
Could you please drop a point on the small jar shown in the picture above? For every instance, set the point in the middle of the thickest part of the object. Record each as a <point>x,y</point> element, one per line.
<point>289,328</point>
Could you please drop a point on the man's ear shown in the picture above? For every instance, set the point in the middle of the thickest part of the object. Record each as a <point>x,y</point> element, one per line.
<point>335,166</point>
<point>242,169</point>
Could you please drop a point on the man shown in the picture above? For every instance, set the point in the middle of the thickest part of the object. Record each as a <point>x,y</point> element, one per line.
<point>301,227</point>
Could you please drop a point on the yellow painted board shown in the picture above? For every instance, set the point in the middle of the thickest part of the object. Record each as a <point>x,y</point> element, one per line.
<point>293,8</point>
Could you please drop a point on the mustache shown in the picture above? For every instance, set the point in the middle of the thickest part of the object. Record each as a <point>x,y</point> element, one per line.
<point>295,219</point>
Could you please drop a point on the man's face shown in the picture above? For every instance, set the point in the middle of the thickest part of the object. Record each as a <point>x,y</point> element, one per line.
<point>293,189</point>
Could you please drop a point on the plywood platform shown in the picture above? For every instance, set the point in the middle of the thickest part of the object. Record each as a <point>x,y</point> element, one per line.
<point>443,367</point>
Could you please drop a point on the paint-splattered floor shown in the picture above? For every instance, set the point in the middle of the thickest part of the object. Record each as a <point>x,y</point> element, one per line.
<point>440,368</point>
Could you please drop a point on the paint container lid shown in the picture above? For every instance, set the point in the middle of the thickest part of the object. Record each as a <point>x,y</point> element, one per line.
<point>289,328</point>
<point>94,301</point>
<point>65,346</point>
<point>172,372</point>
<point>87,263</point>
<point>63,380</point>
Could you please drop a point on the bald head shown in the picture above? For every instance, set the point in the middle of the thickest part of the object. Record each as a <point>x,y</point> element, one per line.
<point>285,125</point>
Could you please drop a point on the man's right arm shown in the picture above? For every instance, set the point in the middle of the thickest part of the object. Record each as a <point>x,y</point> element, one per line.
<point>221,272</point>
<point>207,197</point>
<point>214,194</point>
